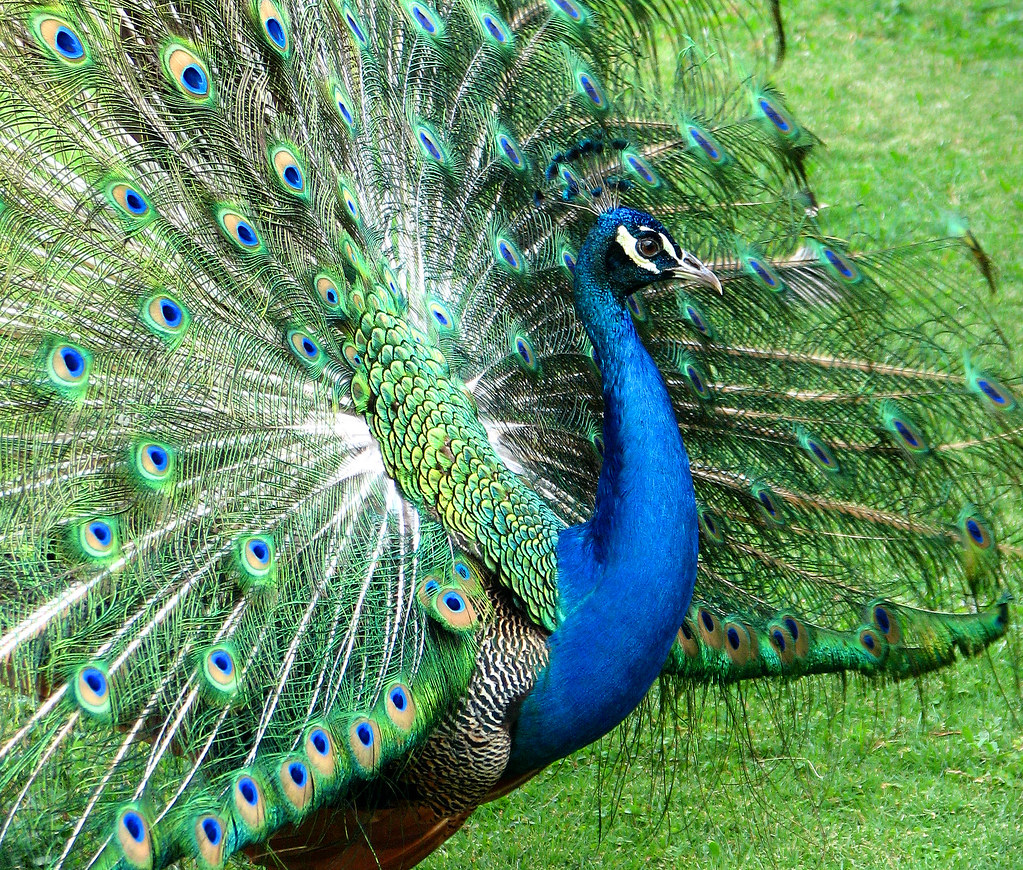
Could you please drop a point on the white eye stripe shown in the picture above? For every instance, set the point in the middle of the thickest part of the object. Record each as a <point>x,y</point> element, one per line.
<point>667,244</point>
<point>628,244</point>
<point>670,248</point>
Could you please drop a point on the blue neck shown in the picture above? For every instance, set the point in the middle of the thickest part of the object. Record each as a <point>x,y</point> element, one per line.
<point>625,577</point>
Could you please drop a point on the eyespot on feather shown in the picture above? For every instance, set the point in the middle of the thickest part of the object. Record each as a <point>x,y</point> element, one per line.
<point>508,256</point>
<point>68,367</point>
<point>61,39</point>
<point>306,350</point>
<point>355,26</point>
<point>133,837</point>
<point>428,589</point>
<point>400,706</point>
<point>709,626</point>
<point>799,633</point>
<point>349,200</point>
<point>296,783</point>
<point>739,643</point>
<point>873,643</point>
<point>239,231</point>
<point>153,464</point>
<point>687,639</point>
<point>886,621</point>
<point>129,201</point>
<point>570,10</point>
<point>220,671</point>
<point>319,749</point>
<point>425,19</point>
<point>364,743</point>
<point>165,317</point>
<point>187,73</point>
<point>711,525</point>
<point>455,610</point>
<point>288,170</point>
<point>91,690</point>
<point>782,643</point>
<point>494,28</point>
<point>342,103</point>
<point>99,539</point>
<point>273,26</point>
<point>248,797</point>
<point>256,560</point>
<point>327,292</point>
<point>768,503</point>
<point>210,839</point>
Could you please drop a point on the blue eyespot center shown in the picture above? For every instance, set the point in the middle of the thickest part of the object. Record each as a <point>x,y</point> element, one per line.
<point>733,638</point>
<point>773,115</point>
<point>569,9</point>
<point>591,89</point>
<point>319,740</point>
<point>493,28</point>
<point>246,235</point>
<point>275,30</point>
<point>134,202</point>
<point>429,145</point>
<point>364,734</point>
<point>94,679</point>
<point>838,263</point>
<point>779,639</point>
<point>293,178</point>
<point>194,79</point>
<point>398,698</point>
<point>354,25</point>
<point>158,457</point>
<point>134,825</point>
<point>453,601</point>
<point>868,640</point>
<point>298,773</point>
<point>507,254</point>
<point>975,531</point>
<point>101,532</point>
<point>431,586</point>
<point>211,828</point>
<point>462,570</point>
<point>989,391</point>
<point>882,619</point>
<point>641,170</point>
<point>73,361</point>
<point>906,433</point>
<point>222,662</point>
<point>68,44</point>
<point>703,143</point>
<point>171,311</point>
<point>423,20</point>
<point>247,789</point>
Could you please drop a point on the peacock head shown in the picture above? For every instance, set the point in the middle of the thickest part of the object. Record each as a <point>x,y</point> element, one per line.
<point>633,249</point>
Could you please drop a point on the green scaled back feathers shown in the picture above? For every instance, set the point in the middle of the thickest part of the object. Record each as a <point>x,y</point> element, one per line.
<point>292,391</point>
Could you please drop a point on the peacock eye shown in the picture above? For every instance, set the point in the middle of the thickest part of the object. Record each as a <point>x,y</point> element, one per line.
<point>649,246</point>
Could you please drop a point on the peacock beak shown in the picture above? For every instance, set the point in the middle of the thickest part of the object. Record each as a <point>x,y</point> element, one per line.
<point>692,269</point>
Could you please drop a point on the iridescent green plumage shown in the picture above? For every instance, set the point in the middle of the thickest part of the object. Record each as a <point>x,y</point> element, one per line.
<point>294,401</point>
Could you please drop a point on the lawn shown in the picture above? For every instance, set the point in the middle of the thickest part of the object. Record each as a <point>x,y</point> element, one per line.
<point>921,107</point>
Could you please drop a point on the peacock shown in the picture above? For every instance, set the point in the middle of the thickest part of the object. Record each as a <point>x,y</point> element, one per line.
<point>394,391</point>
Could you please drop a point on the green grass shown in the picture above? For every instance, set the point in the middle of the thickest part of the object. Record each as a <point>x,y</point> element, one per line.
<point>921,109</point>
